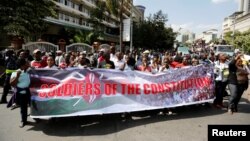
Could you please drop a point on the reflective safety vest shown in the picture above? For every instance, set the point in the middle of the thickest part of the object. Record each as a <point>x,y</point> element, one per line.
<point>7,71</point>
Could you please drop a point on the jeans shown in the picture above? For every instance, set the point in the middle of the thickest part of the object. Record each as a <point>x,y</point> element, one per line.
<point>6,88</point>
<point>220,88</point>
<point>236,92</point>
<point>23,100</point>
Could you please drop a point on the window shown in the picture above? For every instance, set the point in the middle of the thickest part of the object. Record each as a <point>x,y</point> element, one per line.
<point>61,16</point>
<point>69,3</point>
<point>76,7</point>
<point>71,19</point>
<point>66,18</point>
<point>76,20</point>
<point>61,1</point>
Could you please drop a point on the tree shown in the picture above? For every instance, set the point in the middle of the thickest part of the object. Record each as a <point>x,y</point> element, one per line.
<point>116,7</point>
<point>240,40</point>
<point>24,17</point>
<point>152,33</point>
<point>96,19</point>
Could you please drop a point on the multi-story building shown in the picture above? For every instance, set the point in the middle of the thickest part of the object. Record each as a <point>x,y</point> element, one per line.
<point>137,14</point>
<point>188,37</point>
<point>142,10</point>
<point>75,14</point>
<point>239,20</point>
<point>227,25</point>
<point>208,35</point>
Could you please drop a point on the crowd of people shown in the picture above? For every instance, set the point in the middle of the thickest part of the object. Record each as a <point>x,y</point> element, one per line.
<point>232,72</point>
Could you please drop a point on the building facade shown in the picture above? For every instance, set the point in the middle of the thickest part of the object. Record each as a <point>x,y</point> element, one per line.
<point>75,14</point>
<point>188,37</point>
<point>239,20</point>
<point>227,25</point>
<point>208,35</point>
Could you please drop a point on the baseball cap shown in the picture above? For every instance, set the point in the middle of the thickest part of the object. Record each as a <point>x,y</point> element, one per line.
<point>36,51</point>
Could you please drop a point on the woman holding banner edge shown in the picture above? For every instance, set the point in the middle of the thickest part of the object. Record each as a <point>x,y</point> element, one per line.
<point>21,81</point>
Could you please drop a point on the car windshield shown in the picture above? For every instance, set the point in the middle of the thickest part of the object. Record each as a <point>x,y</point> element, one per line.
<point>225,48</point>
<point>183,49</point>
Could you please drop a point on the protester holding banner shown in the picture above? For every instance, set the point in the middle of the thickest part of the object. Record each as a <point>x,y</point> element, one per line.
<point>106,63</point>
<point>38,62</point>
<point>59,57</point>
<point>51,63</point>
<point>155,64</point>
<point>83,62</point>
<point>144,66</point>
<point>238,83</point>
<point>119,62</point>
<point>129,63</point>
<point>165,67</point>
<point>21,81</point>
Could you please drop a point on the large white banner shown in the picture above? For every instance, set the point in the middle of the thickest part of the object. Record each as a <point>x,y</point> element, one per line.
<point>59,93</point>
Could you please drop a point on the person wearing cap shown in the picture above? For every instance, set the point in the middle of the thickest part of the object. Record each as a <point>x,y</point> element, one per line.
<point>144,66</point>
<point>38,62</point>
<point>146,54</point>
<point>59,57</point>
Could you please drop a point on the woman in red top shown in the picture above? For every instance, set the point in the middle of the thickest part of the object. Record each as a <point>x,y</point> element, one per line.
<point>145,66</point>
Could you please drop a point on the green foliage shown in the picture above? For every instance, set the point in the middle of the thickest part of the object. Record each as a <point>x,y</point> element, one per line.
<point>240,40</point>
<point>96,18</point>
<point>24,17</point>
<point>152,33</point>
<point>112,6</point>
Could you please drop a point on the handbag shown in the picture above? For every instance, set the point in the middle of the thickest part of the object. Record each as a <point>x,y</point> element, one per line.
<point>242,75</point>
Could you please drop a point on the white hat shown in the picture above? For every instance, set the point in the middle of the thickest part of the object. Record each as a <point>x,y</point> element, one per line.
<point>103,50</point>
<point>146,52</point>
<point>36,51</point>
<point>58,51</point>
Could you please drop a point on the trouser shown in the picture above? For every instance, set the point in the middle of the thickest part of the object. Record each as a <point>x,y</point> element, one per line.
<point>23,100</point>
<point>6,88</point>
<point>220,88</point>
<point>236,92</point>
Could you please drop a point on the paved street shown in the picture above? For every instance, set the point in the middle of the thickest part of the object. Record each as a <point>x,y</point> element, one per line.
<point>189,124</point>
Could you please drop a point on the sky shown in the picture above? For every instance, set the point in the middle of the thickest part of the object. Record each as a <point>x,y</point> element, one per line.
<point>192,15</point>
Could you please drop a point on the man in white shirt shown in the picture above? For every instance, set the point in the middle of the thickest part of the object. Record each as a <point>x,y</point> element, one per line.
<point>221,71</point>
<point>119,63</point>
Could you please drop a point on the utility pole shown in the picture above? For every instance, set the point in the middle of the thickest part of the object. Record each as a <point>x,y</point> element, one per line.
<point>121,25</point>
<point>131,31</point>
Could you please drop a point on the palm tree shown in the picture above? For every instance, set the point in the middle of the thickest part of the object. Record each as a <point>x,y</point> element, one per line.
<point>115,7</point>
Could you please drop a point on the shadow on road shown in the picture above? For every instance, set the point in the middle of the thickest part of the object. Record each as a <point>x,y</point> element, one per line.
<point>113,123</point>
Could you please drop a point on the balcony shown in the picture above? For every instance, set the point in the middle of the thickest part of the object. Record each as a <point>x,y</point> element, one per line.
<point>89,4</point>
<point>70,10</point>
<point>67,24</point>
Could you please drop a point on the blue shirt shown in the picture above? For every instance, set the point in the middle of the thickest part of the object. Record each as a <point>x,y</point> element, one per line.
<point>23,80</point>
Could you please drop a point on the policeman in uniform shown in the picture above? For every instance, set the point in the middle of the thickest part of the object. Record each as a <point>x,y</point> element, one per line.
<point>10,63</point>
